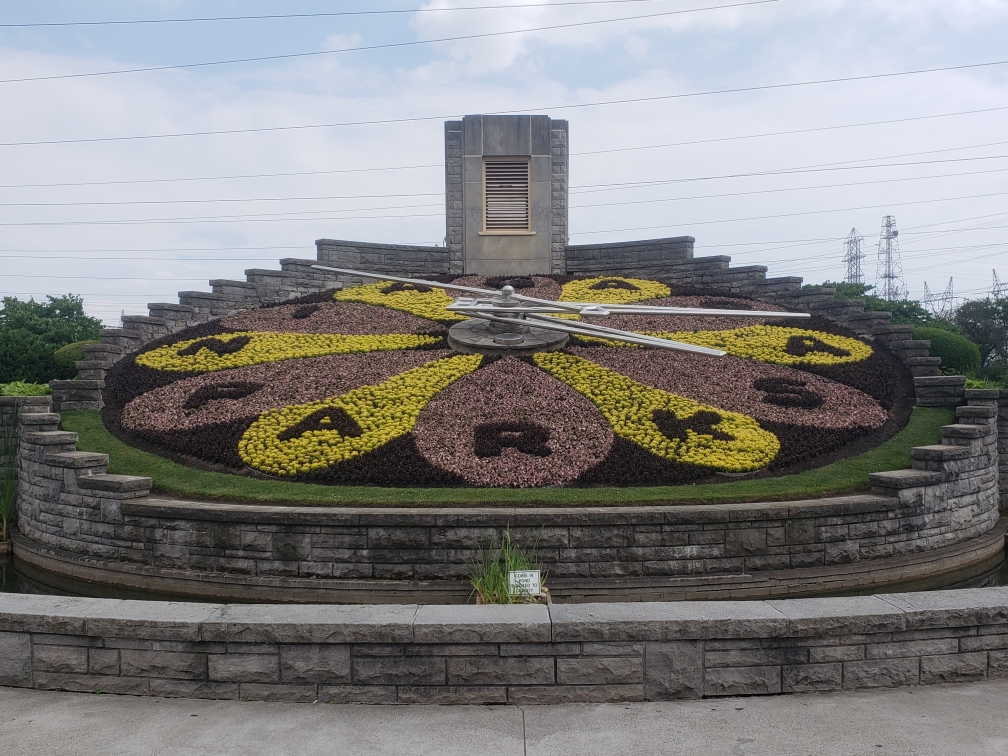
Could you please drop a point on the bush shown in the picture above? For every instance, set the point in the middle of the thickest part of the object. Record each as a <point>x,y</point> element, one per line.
<point>67,357</point>
<point>31,331</point>
<point>957,352</point>
<point>20,388</point>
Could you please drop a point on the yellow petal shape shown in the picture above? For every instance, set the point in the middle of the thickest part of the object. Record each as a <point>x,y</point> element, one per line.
<point>429,303</point>
<point>736,443</point>
<point>612,290</point>
<point>380,413</point>
<point>222,352</point>
<point>778,344</point>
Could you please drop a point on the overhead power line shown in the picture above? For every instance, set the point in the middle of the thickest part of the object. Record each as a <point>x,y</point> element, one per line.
<point>573,154</point>
<point>385,45</point>
<point>337,14</point>
<point>575,206</point>
<point>599,103</point>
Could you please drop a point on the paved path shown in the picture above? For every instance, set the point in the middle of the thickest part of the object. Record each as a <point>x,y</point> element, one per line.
<point>947,720</point>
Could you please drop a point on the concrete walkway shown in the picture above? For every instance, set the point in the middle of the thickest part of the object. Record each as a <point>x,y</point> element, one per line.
<point>947,720</point>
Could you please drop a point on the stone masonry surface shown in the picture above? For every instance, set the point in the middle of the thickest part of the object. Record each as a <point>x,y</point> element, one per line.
<point>522,654</point>
<point>68,503</point>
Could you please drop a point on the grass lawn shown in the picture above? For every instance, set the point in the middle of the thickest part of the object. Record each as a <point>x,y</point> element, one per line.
<point>845,476</point>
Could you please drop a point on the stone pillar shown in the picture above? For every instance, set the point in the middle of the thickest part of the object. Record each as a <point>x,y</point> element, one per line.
<point>454,218</point>
<point>469,145</point>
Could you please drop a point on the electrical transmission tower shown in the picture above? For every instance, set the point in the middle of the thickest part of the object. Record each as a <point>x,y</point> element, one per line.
<point>941,305</point>
<point>853,257</point>
<point>998,289</point>
<point>889,278</point>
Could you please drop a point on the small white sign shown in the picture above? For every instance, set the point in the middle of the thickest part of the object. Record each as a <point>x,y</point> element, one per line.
<point>524,582</point>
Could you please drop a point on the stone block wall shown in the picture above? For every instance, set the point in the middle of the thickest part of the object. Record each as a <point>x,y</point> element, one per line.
<point>653,257</point>
<point>10,406</point>
<point>531,654</point>
<point>454,207</point>
<point>559,193</point>
<point>396,259</point>
<point>1003,446</point>
<point>950,496</point>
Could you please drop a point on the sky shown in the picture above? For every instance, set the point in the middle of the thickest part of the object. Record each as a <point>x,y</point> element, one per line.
<point>719,119</point>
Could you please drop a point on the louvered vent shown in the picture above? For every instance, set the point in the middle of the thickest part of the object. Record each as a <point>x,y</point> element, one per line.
<point>507,195</point>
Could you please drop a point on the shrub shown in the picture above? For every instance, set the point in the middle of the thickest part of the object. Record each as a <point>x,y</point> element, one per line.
<point>957,352</point>
<point>67,357</point>
<point>31,331</point>
<point>20,388</point>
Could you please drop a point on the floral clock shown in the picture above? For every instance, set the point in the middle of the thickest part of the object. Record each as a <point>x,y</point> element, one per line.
<point>360,386</point>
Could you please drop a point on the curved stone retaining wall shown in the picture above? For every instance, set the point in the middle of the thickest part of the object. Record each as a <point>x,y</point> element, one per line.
<point>531,654</point>
<point>70,507</point>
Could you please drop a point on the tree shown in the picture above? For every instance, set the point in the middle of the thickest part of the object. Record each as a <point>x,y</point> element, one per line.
<point>31,331</point>
<point>985,323</point>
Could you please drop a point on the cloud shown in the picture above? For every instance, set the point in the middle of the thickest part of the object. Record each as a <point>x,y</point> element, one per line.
<point>806,215</point>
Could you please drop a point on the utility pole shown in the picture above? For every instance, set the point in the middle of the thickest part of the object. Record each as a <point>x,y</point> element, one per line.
<point>889,277</point>
<point>941,305</point>
<point>853,257</point>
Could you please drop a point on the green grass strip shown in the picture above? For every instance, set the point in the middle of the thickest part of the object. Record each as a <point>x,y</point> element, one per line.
<point>846,476</point>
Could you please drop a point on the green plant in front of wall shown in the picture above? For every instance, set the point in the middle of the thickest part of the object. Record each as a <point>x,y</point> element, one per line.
<point>23,388</point>
<point>489,573</point>
<point>9,443</point>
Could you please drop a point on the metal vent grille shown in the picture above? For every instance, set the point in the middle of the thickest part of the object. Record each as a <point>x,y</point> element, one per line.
<point>507,195</point>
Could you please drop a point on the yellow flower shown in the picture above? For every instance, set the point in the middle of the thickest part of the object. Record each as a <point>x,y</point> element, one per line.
<point>311,437</point>
<point>233,350</point>
<point>612,290</point>
<point>777,344</point>
<point>703,435</point>
<point>429,303</point>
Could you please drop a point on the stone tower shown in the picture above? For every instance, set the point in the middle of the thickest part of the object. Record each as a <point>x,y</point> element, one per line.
<point>506,194</point>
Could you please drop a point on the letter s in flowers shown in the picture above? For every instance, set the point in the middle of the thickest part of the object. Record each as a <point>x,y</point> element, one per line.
<point>667,425</point>
<point>281,442</point>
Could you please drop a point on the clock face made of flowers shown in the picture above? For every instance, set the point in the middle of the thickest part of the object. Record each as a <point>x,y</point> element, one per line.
<point>360,386</point>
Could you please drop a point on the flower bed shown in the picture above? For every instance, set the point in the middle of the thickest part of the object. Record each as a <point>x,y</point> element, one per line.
<point>358,387</point>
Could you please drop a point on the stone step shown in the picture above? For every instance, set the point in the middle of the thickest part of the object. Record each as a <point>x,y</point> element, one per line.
<point>895,329</point>
<point>151,328</point>
<point>869,321</point>
<point>92,370</point>
<point>942,380</point>
<point>39,421</point>
<point>50,438</point>
<point>899,479</point>
<point>115,483</point>
<point>975,412</point>
<point>122,337</point>
<point>242,289</point>
<point>922,361</point>
<point>984,395</point>
<point>910,345</point>
<point>304,269</point>
<point>939,452</point>
<point>79,460</point>
<point>176,316</point>
<point>923,371</point>
<point>207,305</point>
<point>962,430</point>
